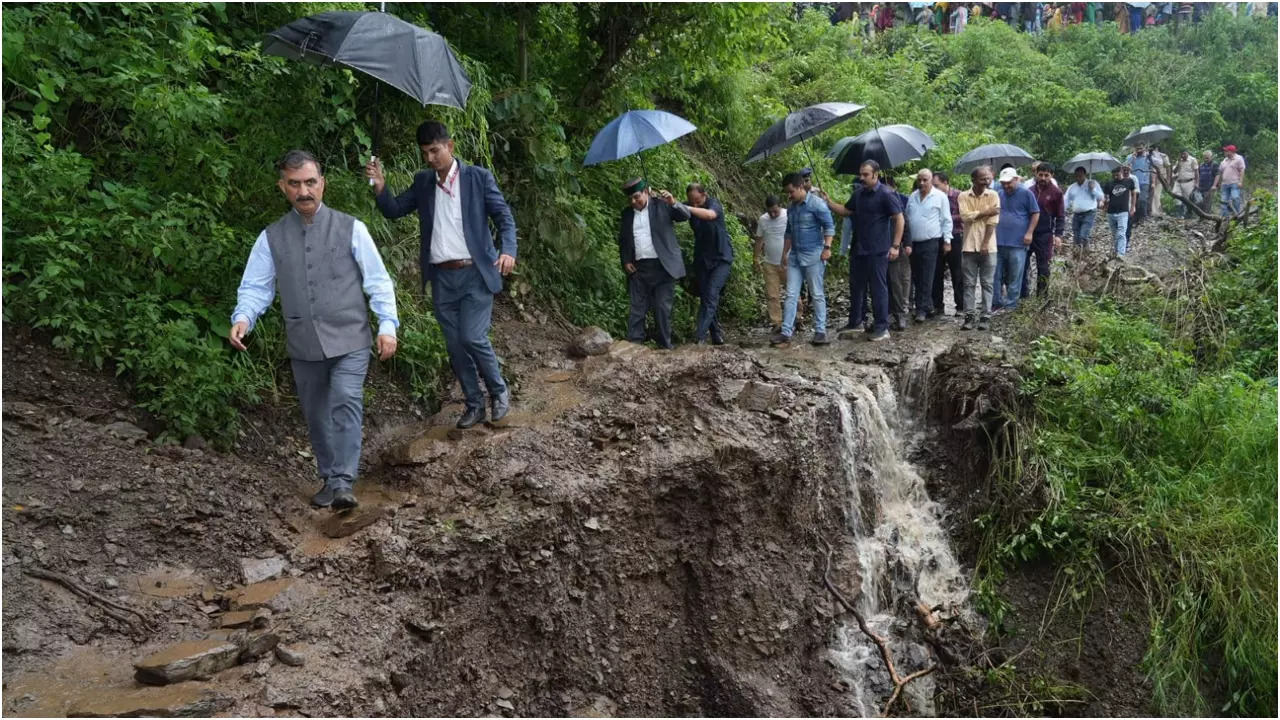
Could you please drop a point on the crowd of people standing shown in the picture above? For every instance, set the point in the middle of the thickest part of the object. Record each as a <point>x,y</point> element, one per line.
<point>952,17</point>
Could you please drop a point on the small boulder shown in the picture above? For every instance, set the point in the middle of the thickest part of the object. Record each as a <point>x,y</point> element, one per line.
<point>759,397</point>
<point>253,570</point>
<point>293,658</point>
<point>186,661</point>
<point>591,341</point>
<point>126,431</point>
<point>259,644</point>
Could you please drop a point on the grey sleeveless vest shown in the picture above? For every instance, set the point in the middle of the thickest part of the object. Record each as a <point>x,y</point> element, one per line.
<point>320,285</point>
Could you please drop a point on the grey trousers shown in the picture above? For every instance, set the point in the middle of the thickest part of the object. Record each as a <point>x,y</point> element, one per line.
<point>979,268</point>
<point>900,286</point>
<point>463,306</point>
<point>651,288</point>
<point>331,393</point>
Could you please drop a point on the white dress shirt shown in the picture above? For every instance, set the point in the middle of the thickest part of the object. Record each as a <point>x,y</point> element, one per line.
<point>929,216</point>
<point>643,236</point>
<point>447,239</point>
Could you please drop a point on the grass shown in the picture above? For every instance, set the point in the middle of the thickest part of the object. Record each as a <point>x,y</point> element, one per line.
<point>1151,439</point>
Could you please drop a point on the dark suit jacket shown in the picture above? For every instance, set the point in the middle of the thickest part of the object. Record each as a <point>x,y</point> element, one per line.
<point>662,219</point>
<point>481,201</point>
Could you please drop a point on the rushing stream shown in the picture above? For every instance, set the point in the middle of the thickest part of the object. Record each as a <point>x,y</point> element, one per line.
<point>903,551</point>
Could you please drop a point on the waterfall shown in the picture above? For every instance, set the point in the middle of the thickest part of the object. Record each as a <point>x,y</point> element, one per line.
<point>903,551</point>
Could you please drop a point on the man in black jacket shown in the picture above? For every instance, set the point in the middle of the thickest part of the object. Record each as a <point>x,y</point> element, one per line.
<point>651,257</point>
<point>712,259</point>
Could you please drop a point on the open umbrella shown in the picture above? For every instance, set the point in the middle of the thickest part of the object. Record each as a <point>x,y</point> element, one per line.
<point>1092,162</point>
<point>995,155</point>
<point>635,131</point>
<point>1148,134</point>
<point>800,125</point>
<point>890,146</point>
<point>404,56</point>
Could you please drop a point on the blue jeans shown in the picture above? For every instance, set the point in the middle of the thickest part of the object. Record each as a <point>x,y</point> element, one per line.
<point>1232,203</point>
<point>1119,223</point>
<point>805,268</point>
<point>873,271</point>
<point>1010,262</point>
<point>463,306</point>
<point>331,393</point>
<point>1082,228</point>
<point>711,282</point>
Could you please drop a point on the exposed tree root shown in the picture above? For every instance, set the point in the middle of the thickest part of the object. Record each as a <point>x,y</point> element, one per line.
<point>886,654</point>
<point>115,611</point>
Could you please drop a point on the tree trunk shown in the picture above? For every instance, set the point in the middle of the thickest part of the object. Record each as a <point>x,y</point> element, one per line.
<point>522,43</point>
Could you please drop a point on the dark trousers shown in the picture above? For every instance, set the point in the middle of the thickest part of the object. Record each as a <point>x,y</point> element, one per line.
<point>1042,248</point>
<point>950,261</point>
<point>1144,204</point>
<point>924,258</point>
<point>869,271</point>
<point>651,287</point>
<point>711,282</point>
<point>463,306</point>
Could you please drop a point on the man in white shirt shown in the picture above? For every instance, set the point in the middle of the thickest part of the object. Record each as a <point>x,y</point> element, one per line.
<point>651,257</point>
<point>1083,199</point>
<point>771,231</point>
<point>928,216</point>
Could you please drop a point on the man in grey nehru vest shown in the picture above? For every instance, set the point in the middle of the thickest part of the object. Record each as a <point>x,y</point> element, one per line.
<point>323,262</point>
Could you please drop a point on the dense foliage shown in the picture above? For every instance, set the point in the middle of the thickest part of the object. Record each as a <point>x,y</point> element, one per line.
<point>1153,435</point>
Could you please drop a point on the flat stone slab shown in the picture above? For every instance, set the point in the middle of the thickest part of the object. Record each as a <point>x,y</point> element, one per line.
<point>174,701</point>
<point>342,524</point>
<point>246,618</point>
<point>186,661</point>
<point>278,596</point>
<point>253,570</point>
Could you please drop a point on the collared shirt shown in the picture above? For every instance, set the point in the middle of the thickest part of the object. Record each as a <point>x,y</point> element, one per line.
<point>957,223</point>
<point>1052,209</point>
<point>1084,198</point>
<point>1140,165</point>
<point>929,216</point>
<point>809,223</point>
<point>1016,209</point>
<point>1184,171</point>
<point>258,288</point>
<point>873,210</point>
<point>448,241</point>
<point>1208,171</point>
<point>975,228</point>
<point>1232,170</point>
<point>643,237</point>
<point>774,232</point>
<point>711,242</point>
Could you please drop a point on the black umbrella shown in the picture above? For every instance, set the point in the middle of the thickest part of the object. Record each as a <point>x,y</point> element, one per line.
<point>405,56</point>
<point>995,155</point>
<point>800,125</point>
<point>890,146</point>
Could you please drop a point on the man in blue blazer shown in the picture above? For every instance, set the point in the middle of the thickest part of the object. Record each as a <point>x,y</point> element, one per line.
<point>455,202</point>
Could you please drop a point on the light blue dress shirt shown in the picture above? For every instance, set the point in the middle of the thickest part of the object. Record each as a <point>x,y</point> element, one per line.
<point>929,216</point>
<point>258,286</point>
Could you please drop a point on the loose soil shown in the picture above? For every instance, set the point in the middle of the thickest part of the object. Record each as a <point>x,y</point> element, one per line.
<point>630,541</point>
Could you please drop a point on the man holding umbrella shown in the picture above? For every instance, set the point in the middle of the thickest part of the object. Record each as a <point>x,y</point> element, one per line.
<point>455,203</point>
<point>651,257</point>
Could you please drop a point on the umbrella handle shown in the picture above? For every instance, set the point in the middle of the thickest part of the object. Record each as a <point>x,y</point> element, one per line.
<point>372,159</point>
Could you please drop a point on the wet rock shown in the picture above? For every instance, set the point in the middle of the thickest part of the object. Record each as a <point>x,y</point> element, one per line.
<point>591,341</point>
<point>186,661</point>
<point>234,635</point>
<point>340,525</point>
<point>179,701</point>
<point>279,596</point>
<point>504,704</point>
<point>110,583</point>
<point>592,524</point>
<point>258,644</point>
<point>262,668</point>
<point>505,693</point>
<point>417,450</point>
<point>126,431</point>
<point>759,397</point>
<point>782,415</point>
<point>293,658</point>
<point>253,570</point>
<point>256,619</point>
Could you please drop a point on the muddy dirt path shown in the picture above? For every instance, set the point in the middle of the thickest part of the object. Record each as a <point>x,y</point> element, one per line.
<point>644,535</point>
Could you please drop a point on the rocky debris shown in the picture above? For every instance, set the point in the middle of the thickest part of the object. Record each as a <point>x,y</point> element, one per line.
<point>759,397</point>
<point>401,680</point>
<point>186,661</point>
<point>627,351</point>
<point>417,450</point>
<point>253,570</point>
<point>279,596</point>
<point>591,341</point>
<point>178,701</point>
<point>293,658</point>
<point>24,414</point>
<point>235,635</point>
<point>195,442</point>
<point>559,377</point>
<point>259,644</point>
<point>110,583</point>
<point>342,524</point>
<point>126,431</point>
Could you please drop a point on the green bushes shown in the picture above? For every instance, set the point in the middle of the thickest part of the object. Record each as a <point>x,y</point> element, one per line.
<point>1154,436</point>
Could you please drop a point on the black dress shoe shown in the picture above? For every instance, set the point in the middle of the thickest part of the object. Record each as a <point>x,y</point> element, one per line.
<point>324,498</point>
<point>501,405</point>
<point>717,339</point>
<point>471,417</point>
<point>343,498</point>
